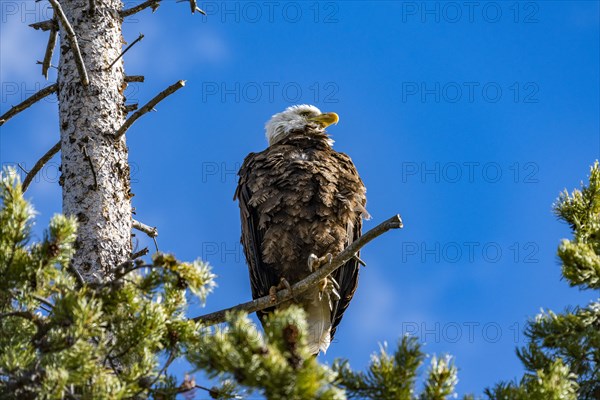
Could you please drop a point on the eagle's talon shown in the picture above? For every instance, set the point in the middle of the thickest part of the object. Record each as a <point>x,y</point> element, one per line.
<point>273,294</point>
<point>329,258</point>
<point>312,259</point>
<point>336,294</point>
<point>315,262</point>
<point>328,284</point>
<point>284,284</point>
<point>334,283</point>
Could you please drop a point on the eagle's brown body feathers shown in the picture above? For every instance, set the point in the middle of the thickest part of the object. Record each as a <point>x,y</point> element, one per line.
<point>300,197</point>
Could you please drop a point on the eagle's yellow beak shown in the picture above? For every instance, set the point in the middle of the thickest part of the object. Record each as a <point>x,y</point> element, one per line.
<point>326,119</point>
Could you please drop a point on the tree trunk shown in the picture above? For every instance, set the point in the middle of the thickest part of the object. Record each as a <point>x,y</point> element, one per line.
<point>95,171</point>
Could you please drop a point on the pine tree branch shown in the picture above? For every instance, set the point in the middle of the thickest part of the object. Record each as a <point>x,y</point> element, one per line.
<point>58,11</point>
<point>48,90</point>
<point>45,25</point>
<point>194,6</point>
<point>130,107</point>
<point>172,356</point>
<point>310,281</point>
<point>139,254</point>
<point>148,107</point>
<point>124,269</point>
<point>28,315</point>
<point>139,39</point>
<point>125,265</point>
<point>39,165</point>
<point>50,49</point>
<point>148,230</point>
<point>134,78</point>
<point>154,4</point>
<point>43,301</point>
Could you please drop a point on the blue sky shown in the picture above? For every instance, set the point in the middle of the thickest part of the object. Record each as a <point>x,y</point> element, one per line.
<point>467,118</point>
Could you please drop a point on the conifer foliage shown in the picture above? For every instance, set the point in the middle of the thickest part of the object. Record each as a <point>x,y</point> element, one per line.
<point>562,355</point>
<point>61,338</point>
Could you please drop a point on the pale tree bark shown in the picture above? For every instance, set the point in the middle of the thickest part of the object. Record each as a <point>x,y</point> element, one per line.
<point>95,171</point>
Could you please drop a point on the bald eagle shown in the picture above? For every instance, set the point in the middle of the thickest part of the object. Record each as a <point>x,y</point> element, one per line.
<point>301,202</point>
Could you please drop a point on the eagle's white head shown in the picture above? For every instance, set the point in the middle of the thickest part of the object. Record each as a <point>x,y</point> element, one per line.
<point>296,118</point>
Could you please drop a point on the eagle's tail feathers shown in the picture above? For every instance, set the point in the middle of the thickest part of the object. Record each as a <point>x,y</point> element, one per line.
<point>318,317</point>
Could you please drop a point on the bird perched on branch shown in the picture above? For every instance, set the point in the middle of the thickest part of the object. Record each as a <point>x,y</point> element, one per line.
<point>301,202</point>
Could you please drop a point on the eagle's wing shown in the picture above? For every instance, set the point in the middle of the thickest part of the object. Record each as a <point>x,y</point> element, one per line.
<point>347,275</point>
<point>261,276</point>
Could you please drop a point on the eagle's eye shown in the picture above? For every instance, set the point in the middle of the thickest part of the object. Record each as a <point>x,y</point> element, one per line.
<point>305,113</point>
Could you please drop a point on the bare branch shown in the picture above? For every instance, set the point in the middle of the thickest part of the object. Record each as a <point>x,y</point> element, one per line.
<point>92,7</point>
<point>49,50</point>
<point>127,266</point>
<point>149,106</point>
<point>38,62</point>
<point>22,169</point>
<point>122,270</point>
<point>28,315</point>
<point>148,230</point>
<point>139,254</point>
<point>43,301</point>
<point>310,281</point>
<point>154,4</point>
<point>172,356</point>
<point>39,165</point>
<point>194,6</point>
<point>58,11</point>
<point>139,39</point>
<point>130,107</point>
<point>134,78</point>
<point>45,25</point>
<point>48,90</point>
